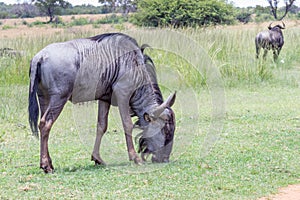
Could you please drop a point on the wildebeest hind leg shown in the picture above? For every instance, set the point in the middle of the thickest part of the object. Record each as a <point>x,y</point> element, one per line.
<point>257,52</point>
<point>103,110</point>
<point>49,115</point>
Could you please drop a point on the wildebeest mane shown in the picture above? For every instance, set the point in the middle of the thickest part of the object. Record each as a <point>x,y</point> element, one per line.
<point>99,38</point>
<point>151,69</point>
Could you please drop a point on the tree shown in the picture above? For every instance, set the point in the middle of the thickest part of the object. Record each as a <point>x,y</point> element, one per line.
<point>51,7</point>
<point>181,13</point>
<point>125,6</point>
<point>110,4</point>
<point>273,6</point>
<point>243,16</point>
<point>24,10</point>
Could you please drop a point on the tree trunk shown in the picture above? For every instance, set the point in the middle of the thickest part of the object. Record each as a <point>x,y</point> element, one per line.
<point>50,14</point>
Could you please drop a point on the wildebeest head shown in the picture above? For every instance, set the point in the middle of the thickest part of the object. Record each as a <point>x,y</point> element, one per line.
<point>158,133</point>
<point>277,27</point>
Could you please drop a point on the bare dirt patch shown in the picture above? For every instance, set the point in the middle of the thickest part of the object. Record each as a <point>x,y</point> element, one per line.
<point>292,192</point>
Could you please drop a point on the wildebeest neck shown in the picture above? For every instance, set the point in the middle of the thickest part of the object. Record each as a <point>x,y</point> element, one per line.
<point>141,103</point>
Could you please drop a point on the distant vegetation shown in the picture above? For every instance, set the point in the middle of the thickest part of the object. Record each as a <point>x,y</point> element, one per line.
<point>261,14</point>
<point>160,12</point>
<point>26,10</point>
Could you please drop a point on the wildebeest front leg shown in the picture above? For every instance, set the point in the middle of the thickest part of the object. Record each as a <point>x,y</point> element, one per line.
<point>103,109</point>
<point>128,126</point>
<point>276,53</point>
<point>265,54</point>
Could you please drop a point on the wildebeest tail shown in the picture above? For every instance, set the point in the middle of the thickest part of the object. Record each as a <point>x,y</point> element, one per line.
<point>33,106</point>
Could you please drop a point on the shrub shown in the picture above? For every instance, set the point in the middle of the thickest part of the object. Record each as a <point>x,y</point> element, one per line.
<point>5,27</point>
<point>37,23</point>
<point>24,22</point>
<point>244,17</point>
<point>96,26</point>
<point>79,22</point>
<point>182,13</point>
<point>111,19</point>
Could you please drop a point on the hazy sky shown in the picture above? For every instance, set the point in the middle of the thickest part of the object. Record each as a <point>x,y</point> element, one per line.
<point>246,3</point>
<point>239,3</point>
<point>73,2</point>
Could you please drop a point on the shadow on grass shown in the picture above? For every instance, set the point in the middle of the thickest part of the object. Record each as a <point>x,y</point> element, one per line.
<point>126,167</point>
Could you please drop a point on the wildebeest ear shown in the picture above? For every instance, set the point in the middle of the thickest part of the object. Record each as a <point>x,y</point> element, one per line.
<point>147,117</point>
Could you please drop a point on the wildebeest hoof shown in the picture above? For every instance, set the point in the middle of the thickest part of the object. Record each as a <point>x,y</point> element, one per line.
<point>98,161</point>
<point>47,169</point>
<point>138,161</point>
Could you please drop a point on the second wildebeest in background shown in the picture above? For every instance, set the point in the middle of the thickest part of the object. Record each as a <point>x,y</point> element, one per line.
<point>270,39</point>
<point>112,69</point>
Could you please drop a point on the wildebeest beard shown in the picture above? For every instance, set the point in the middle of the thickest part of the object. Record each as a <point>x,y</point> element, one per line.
<point>156,137</point>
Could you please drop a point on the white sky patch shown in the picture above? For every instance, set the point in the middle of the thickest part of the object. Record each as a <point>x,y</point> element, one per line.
<point>237,3</point>
<point>73,2</point>
<point>253,3</point>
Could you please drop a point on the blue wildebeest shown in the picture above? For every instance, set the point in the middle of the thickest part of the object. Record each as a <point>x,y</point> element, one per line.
<point>270,39</point>
<point>112,69</point>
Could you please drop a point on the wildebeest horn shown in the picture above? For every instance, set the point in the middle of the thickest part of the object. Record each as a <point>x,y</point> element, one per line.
<point>283,27</point>
<point>168,103</point>
<point>269,27</point>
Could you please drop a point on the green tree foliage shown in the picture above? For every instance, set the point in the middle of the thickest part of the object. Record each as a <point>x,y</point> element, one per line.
<point>111,4</point>
<point>123,6</point>
<point>244,14</point>
<point>180,13</point>
<point>83,9</point>
<point>23,10</point>
<point>51,7</point>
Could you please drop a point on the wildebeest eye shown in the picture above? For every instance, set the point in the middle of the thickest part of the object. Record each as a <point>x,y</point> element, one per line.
<point>147,117</point>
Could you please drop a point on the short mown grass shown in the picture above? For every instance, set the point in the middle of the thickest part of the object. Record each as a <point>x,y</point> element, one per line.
<point>257,152</point>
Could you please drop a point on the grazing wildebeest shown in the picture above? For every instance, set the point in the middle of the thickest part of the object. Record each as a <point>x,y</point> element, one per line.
<point>270,39</point>
<point>112,69</point>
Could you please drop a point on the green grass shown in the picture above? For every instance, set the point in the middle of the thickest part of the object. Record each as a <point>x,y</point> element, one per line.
<point>257,151</point>
<point>5,27</point>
